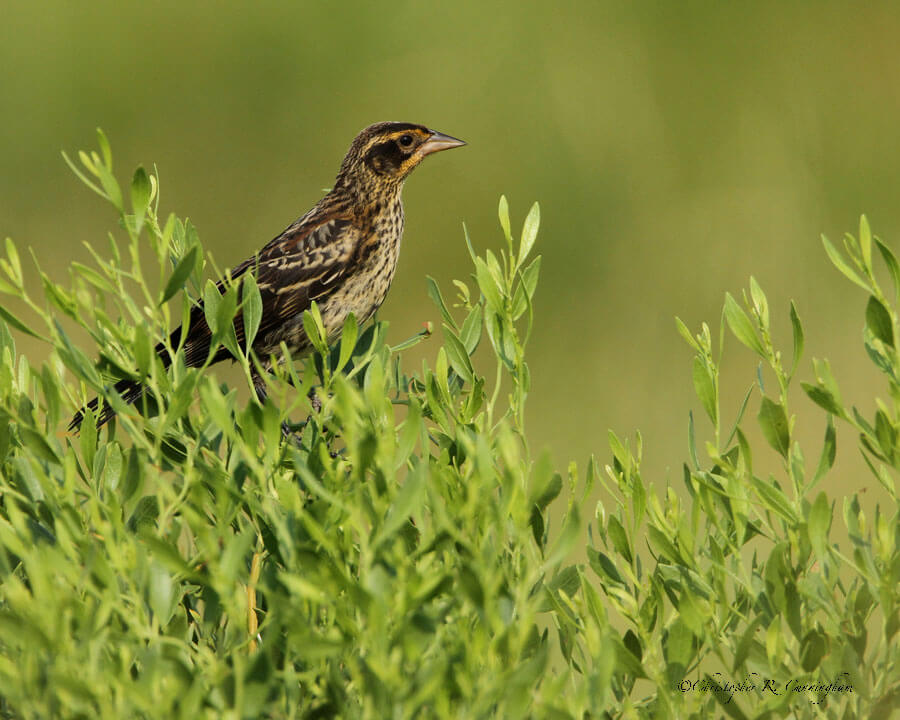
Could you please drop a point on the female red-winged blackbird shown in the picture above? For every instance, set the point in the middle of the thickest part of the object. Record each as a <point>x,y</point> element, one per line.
<point>342,254</point>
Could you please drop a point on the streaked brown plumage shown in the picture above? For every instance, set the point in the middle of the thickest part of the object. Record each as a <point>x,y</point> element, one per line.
<point>342,254</point>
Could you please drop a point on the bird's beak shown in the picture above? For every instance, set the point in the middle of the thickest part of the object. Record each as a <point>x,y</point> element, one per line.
<point>437,142</point>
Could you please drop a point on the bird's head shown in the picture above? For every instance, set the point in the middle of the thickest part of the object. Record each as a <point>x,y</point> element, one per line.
<point>387,152</point>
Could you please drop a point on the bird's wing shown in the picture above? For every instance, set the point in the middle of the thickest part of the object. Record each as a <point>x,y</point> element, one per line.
<point>306,262</point>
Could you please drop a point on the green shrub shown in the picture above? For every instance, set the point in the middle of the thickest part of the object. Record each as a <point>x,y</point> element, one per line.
<point>398,559</point>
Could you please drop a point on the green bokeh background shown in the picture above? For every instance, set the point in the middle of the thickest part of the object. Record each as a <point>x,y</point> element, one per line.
<point>675,148</point>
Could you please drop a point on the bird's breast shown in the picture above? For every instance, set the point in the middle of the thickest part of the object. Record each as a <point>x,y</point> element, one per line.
<point>374,264</point>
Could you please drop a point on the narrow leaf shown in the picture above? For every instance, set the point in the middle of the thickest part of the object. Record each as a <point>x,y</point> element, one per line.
<point>686,334</point>
<point>182,272</point>
<point>458,356</point>
<point>879,322</point>
<point>741,326</point>
<point>619,538</point>
<point>774,499</point>
<point>251,308</point>
<point>488,286</point>
<point>774,424</point>
<point>893,266</point>
<point>839,263</point>
<point>470,333</point>
<point>212,298</point>
<point>103,142</point>
<point>434,292</point>
<point>140,196</point>
<point>760,303</point>
<point>797,328</point>
<point>529,232</point>
<point>829,451</point>
<point>819,524</point>
<point>348,341</point>
<point>503,214</point>
<point>865,242</point>
<point>18,324</point>
<point>704,386</point>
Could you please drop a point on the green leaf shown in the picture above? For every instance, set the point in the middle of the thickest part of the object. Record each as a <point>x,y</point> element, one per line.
<point>893,266</point>
<point>251,308</point>
<point>412,341</point>
<point>458,356</point>
<point>822,397</point>
<point>225,314</point>
<point>619,538</point>
<point>471,586</point>
<point>819,524</point>
<point>686,334</point>
<point>315,330</point>
<point>692,440</point>
<point>112,467</point>
<point>18,324</point>
<point>182,272</point>
<point>829,451</point>
<point>409,434</point>
<point>529,233</point>
<point>865,242</point>
<point>740,414</point>
<point>103,142</point>
<point>760,303</point>
<point>548,491</point>
<point>774,424</point>
<point>407,502</point>
<point>567,580</point>
<point>140,197</point>
<point>839,263</point>
<point>812,649</point>
<point>15,265</point>
<point>663,545</point>
<point>434,292</point>
<point>212,298</point>
<point>774,499</point>
<point>741,326</point>
<point>92,277</point>
<point>605,568</point>
<point>180,399</point>
<point>797,329</point>
<point>704,386</point>
<point>470,333</point>
<point>143,354</point>
<point>488,286</point>
<point>73,357</point>
<point>40,445</point>
<point>496,334</point>
<point>678,646</point>
<point>879,322</point>
<point>525,289</point>
<point>110,186</point>
<point>162,592</point>
<point>348,341</point>
<point>571,529</point>
<point>503,214</point>
<point>81,176</point>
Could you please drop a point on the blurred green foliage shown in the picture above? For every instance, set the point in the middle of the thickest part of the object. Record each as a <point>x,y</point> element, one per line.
<point>676,149</point>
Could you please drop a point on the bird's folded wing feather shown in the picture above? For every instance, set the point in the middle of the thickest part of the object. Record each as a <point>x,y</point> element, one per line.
<point>305,263</point>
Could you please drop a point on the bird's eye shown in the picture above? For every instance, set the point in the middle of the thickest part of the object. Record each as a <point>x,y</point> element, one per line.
<point>405,140</point>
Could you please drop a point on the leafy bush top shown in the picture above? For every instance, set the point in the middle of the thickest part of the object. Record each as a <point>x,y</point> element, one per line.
<point>398,560</point>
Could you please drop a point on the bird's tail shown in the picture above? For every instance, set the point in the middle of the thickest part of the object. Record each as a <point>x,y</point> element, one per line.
<point>196,349</point>
<point>129,390</point>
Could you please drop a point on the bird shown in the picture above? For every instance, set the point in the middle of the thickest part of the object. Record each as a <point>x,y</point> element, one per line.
<point>342,254</point>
